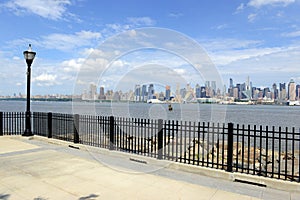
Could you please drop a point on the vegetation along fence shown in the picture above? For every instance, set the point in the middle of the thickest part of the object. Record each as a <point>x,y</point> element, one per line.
<point>259,150</point>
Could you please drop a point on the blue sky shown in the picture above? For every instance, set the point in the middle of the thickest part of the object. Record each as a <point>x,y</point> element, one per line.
<point>256,38</point>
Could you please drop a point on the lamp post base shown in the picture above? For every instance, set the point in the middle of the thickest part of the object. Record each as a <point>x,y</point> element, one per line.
<point>27,133</point>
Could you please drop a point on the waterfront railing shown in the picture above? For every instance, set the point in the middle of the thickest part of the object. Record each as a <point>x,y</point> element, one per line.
<point>258,150</point>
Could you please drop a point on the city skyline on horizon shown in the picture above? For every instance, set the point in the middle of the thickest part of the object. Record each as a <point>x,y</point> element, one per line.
<point>95,92</point>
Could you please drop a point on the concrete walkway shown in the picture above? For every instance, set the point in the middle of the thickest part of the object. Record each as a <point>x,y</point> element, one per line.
<point>40,168</point>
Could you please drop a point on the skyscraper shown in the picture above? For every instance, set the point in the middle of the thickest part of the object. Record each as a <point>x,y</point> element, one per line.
<point>137,93</point>
<point>292,90</point>
<point>275,91</point>
<point>93,92</point>
<point>282,91</point>
<point>298,92</point>
<point>168,92</point>
<point>198,91</point>
<point>101,95</point>
<point>144,93</point>
<point>151,92</point>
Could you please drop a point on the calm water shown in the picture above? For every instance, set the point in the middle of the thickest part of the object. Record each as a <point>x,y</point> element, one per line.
<point>270,115</point>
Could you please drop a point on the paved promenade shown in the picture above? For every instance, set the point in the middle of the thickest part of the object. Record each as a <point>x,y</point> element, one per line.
<point>39,168</point>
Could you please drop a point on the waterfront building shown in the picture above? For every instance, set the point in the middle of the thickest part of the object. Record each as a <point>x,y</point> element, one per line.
<point>236,92</point>
<point>275,91</point>
<point>144,93</point>
<point>247,90</point>
<point>203,92</point>
<point>298,92</point>
<point>168,92</point>
<point>151,92</point>
<point>230,89</point>
<point>183,92</point>
<point>116,96</point>
<point>198,91</point>
<point>137,93</point>
<point>213,88</point>
<point>93,92</point>
<point>282,91</point>
<point>101,94</point>
<point>292,90</point>
<point>266,92</point>
<point>109,94</point>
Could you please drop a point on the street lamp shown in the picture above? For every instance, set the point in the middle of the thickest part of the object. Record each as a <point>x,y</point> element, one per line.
<point>29,56</point>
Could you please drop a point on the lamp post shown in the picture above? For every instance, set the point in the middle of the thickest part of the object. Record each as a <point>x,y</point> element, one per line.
<point>29,56</point>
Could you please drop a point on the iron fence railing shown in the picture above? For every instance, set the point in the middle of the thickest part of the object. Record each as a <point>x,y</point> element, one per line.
<point>258,150</point>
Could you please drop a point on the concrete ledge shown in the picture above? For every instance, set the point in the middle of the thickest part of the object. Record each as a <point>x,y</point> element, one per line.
<point>215,173</point>
<point>269,182</point>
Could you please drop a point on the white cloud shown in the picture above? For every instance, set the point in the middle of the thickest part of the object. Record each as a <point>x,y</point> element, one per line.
<point>141,21</point>
<point>252,17</point>
<point>180,71</point>
<point>220,27</point>
<point>62,42</point>
<point>292,34</point>
<point>45,77</point>
<point>175,15</point>
<point>226,51</point>
<point>46,80</point>
<point>70,41</point>
<point>72,65</point>
<point>50,9</point>
<point>16,58</point>
<point>229,43</point>
<point>261,3</point>
<point>240,8</point>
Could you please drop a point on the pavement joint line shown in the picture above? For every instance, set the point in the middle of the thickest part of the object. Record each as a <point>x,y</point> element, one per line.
<point>21,152</point>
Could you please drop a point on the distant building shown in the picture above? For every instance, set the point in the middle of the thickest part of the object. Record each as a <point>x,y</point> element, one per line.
<point>137,93</point>
<point>236,93</point>
<point>203,92</point>
<point>144,93</point>
<point>101,94</point>
<point>275,91</point>
<point>282,91</point>
<point>168,92</point>
<point>292,90</point>
<point>151,92</point>
<point>93,92</point>
<point>198,91</point>
<point>298,92</point>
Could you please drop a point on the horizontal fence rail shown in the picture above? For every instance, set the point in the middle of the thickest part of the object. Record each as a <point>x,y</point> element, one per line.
<point>272,152</point>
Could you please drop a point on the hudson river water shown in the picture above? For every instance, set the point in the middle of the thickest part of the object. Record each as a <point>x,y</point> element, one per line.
<point>266,115</point>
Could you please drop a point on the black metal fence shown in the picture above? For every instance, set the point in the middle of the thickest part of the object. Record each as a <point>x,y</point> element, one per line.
<point>264,151</point>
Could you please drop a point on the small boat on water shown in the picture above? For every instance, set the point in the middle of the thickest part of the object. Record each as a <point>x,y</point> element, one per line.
<point>170,107</point>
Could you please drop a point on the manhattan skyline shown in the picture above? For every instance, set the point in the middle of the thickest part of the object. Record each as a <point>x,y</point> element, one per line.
<point>245,37</point>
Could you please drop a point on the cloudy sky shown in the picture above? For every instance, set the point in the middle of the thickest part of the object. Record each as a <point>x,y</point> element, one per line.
<point>256,38</point>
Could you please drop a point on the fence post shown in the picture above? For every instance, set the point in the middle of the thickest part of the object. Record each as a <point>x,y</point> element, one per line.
<point>76,128</point>
<point>230,147</point>
<point>111,133</point>
<point>1,123</point>
<point>49,125</point>
<point>160,139</point>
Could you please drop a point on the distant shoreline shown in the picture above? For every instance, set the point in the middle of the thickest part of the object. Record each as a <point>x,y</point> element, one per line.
<point>125,101</point>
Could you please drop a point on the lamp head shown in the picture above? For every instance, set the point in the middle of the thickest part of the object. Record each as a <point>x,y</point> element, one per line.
<point>29,55</point>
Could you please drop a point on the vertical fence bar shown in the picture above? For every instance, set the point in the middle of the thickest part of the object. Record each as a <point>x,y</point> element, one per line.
<point>160,139</point>
<point>1,123</point>
<point>76,128</point>
<point>49,125</point>
<point>111,133</point>
<point>230,147</point>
